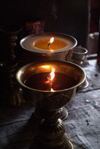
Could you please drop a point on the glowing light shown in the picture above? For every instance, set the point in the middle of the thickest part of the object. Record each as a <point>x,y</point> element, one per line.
<point>50,79</point>
<point>51,50</point>
<point>51,40</point>
<point>45,66</point>
<point>52,75</point>
<point>52,90</point>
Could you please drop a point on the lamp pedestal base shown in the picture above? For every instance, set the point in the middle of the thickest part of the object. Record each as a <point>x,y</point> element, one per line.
<point>51,133</point>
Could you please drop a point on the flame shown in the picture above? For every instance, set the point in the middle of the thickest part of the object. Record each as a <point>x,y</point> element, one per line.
<point>52,75</point>
<point>50,79</point>
<point>51,40</point>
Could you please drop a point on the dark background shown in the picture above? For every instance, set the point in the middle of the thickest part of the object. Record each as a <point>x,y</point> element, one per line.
<point>76,18</point>
<point>70,17</point>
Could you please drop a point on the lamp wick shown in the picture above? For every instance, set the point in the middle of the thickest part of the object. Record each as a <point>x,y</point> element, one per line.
<point>48,44</point>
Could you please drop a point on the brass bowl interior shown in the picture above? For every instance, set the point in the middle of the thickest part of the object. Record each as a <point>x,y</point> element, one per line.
<point>68,68</point>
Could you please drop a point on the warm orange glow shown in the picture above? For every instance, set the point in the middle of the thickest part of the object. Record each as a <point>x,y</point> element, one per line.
<point>52,40</point>
<point>50,79</point>
<point>51,50</point>
<point>49,43</point>
<point>52,90</point>
<point>52,75</point>
<point>46,66</point>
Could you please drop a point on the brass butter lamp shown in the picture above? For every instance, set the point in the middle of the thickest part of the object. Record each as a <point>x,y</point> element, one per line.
<point>51,132</point>
<point>60,48</point>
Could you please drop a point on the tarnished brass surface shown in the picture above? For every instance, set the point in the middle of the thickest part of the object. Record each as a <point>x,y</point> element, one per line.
<point>67,68</point>
<point>51,132</point>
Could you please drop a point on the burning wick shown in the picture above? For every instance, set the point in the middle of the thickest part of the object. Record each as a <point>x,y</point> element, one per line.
<point>50,41</point>
<point>50,79</point>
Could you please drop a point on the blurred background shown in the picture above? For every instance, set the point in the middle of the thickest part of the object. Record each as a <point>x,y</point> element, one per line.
<point>77,18</point>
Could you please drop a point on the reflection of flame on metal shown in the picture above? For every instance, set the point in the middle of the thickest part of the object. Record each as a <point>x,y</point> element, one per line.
<point>50,79</point>
<point>52,90</point>
<point>51,50</point>
<point>45,66</point>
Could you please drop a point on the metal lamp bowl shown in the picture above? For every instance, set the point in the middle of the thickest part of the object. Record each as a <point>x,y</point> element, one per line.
<point>58,54</point>
<point>51,131</point>
<point>50,99</point>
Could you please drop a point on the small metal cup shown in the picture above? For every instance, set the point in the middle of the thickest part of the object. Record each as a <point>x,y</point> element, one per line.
<point>79,56</point>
